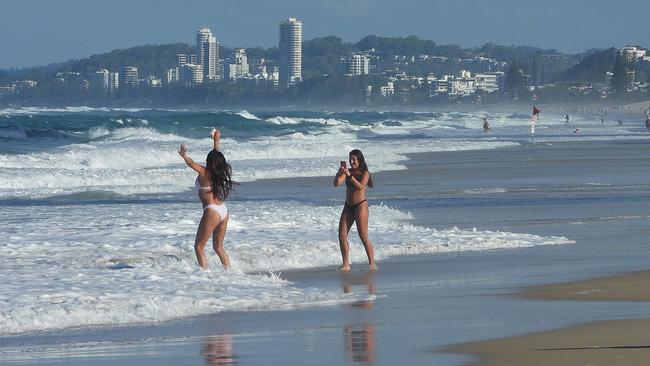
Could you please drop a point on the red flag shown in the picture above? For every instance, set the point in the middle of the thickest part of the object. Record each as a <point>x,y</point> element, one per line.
<point>536,110</point>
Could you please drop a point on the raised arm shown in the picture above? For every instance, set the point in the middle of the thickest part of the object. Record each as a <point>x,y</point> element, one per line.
<point>182,151</point>
<point>359,184</point>
<point>216,138</point>
<point>340,176</point>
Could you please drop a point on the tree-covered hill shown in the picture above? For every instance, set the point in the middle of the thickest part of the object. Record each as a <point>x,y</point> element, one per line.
<point>322,56</point>
<point>149,59</point>
<point>593,67</point>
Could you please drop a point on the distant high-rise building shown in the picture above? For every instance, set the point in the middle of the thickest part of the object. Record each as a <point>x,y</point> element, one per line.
<point>290,52</point>
<point>181,59</point>
<point>238,67</point>
<point>130,77</point>
<point>113,81</point>
<point>171,75</point>
<point>207,54</point>
<point>100,79</point>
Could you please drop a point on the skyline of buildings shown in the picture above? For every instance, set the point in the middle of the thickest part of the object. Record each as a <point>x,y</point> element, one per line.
<point>471,75</point>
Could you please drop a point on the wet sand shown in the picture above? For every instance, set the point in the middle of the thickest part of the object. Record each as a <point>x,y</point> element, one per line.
<point>607,343</point>
<point>610,342</point>
<point>626,287</point>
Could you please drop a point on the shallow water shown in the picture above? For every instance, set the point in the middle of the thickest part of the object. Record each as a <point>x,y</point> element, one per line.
<point>98,217</point>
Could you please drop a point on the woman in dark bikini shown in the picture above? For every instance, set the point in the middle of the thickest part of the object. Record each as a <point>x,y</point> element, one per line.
<point>356,179</point>
<point>213,184</point>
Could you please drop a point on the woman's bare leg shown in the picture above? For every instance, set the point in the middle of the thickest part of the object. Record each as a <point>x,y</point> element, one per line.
<point>209,221</point>
<point>361,218</point>
<point>217,242</point>
<point>345,223</point>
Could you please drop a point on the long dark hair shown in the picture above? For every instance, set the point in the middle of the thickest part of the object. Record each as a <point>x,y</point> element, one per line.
<point>362,164</point>
<point>220,174</point>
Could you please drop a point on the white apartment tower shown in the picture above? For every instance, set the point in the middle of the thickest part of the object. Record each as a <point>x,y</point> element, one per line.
<point>238,68</point>
<point>207,54</point>
<point>290,52</point>
<point>100,79</point>
<point>130,76</point>
<point>113,81</point>
<point>356,64</point>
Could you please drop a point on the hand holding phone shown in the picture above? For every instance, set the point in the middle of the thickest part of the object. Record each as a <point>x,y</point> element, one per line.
<point>343,164</point>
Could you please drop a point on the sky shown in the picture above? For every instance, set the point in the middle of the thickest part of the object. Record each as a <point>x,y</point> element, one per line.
<point>40,32</point>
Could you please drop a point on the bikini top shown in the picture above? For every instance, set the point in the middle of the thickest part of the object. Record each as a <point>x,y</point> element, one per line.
<point>200,188</point>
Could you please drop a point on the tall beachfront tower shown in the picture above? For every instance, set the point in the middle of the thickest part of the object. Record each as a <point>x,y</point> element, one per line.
<point>290,52</point>
<point>207,54</point>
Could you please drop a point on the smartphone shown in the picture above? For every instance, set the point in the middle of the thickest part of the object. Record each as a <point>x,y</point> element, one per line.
<point>344,164</point>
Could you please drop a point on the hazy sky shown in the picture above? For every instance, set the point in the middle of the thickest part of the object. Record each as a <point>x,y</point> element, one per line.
<point>39,32</point>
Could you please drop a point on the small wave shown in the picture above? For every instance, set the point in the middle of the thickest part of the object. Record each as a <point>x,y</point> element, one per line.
<point>97,132</point>
<point>91,196</point>
<point>518,116</point>
<point>281,120</point>
<point>247,115</point>
<point>485,191</point>
<point>142,133</point>
<point>12,133</point>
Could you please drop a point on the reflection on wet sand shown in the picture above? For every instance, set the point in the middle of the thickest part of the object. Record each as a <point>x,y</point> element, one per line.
<point>360,338</point>
<point>350,279</point>
<point>360,342</point>
<point>218,350</point>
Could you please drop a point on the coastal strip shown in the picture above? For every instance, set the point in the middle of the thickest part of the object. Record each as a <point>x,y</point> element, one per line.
<point>608,342</point>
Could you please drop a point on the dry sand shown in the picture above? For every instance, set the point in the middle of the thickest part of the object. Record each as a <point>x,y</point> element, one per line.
<point>626,287</point>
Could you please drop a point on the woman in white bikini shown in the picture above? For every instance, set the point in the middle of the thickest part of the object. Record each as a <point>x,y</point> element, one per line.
<point>355,209</point>
<point>213,184</point>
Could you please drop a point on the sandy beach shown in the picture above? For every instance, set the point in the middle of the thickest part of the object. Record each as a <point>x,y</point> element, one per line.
<point>414,308</point>
<point>609,342</point>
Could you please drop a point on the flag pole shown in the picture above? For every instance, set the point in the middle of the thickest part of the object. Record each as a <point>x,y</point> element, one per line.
<point>533,120</point>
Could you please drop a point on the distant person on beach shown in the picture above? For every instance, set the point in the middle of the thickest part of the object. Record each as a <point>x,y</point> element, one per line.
<point>486,125</point>
<point>357,178</point>
<point>566,118</point>
<point>213,184</point>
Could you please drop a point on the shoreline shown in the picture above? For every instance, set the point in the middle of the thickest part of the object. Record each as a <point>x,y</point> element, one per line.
<point>578,107</point>
<point>611,342</point>
<point>416,304</point>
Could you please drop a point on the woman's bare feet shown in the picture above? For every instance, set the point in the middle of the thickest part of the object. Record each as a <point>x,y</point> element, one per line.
<point>344,268</point>
<point>372,267</point>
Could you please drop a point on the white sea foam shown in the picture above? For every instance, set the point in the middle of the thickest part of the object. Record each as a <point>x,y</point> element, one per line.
<point>128,263</point>
<point>133,263</point>
<point>79,109</point>
<point>280,120</point>
<point>140,159</point>
<point>136,160</point>
<point>247,115</point>
<point>480,191</point>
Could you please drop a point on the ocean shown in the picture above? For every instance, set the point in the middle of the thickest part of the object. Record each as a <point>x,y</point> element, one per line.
<point>98,212</point>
